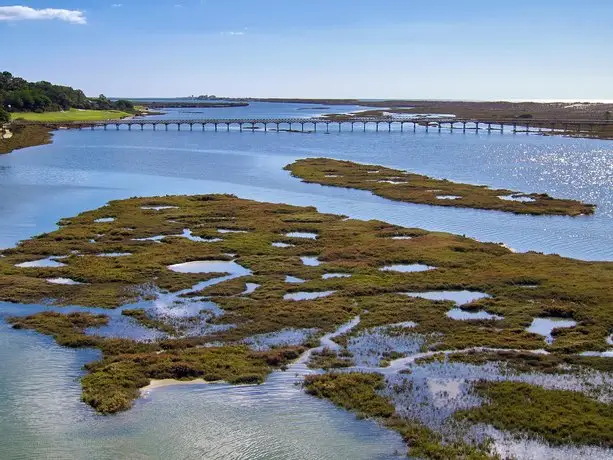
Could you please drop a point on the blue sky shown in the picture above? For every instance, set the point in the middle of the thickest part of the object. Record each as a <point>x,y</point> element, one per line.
<point>476,50</point>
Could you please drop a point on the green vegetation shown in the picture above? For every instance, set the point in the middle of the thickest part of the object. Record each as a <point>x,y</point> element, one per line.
<point>558,416</point>
<point>19,95</point>
<point>358,392</point>
<point>142,317</point>
<point>522,362</point>
<point>564,288</point>
<point>4,116</point>
<point>22,136</point>
<point>67,329</point>
<point>328,359</point>
<point>398,185</point>
<point>70,115</point>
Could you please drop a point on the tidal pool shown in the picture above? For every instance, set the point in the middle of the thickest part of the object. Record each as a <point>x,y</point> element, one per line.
<point>310,261</point>
<point>210,266</point>
<point>327,276</point>
<point>105,219</point>
<point>114,254</point>
<point>158,208</point>
<point>66,281</point>
<point>545,326</point>
<point>464,315</point>
<point>308,235</point>
<point>49,262</point>
<point>278,244</point>
<point>250,288</point>
<point>459,297</point>
<point>524,199</point>
<point>293,279</point>
<point>448,197</point>
<point>307,295</point>
<point>406,268</point>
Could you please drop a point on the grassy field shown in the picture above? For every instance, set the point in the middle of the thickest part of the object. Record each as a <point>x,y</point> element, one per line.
<point>70,115</point>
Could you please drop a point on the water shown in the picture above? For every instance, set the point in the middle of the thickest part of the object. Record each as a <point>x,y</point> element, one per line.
<point>40,410</point>
<point>459,297</point>
<point>328,276</point>
<point>210,266</point>
<point>464,315</point>
<point>406,268</point>
<point>49,262</point>
<point>296,296</point>
<point>278,244</point>
<point>293,279</point>
<point>309,235</point>
<point>66,281</point>
<point>545,326</point>
<point>42,417</point>
<point>310,261</point>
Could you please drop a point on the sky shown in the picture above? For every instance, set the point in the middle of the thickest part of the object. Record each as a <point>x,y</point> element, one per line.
<point>373,49</point>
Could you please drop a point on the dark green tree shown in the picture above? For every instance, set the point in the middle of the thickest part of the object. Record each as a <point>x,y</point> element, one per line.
<point>5,117</point>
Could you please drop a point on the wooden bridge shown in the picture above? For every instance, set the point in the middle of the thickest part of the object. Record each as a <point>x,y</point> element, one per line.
<point>343,123</point>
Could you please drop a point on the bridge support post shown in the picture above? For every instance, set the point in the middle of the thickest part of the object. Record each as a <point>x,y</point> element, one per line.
<point>166,126</point>
<point>352,126</point>
<point>191,126</point>
<point>105,127</point>
<point>389,126</point>
<point>117,126</point>
<point>463,126</point>
<point>314,126</point>
<point>178,126</point>
<point>377,129</point>
<point>402,126</point>
<point>327,128</point>
<point>302,127</point>
<point>92,127</point>
<point>427,126</point>
<point>228,127</point>
<point>203,125</point>
<point>414,126</point>
<point>440,126</point>
<point>364,126</point>
<point>339,126</point>
<point>154,126</point>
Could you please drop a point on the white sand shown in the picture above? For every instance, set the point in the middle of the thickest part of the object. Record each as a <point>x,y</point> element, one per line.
<point>161,383</point>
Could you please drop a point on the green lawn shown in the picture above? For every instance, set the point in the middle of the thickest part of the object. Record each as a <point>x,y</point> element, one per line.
<point>71,115</point>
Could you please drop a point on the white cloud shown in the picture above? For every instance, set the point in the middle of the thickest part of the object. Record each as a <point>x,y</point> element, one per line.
<point>116,5</point>
<point>232,32</point>
<point>25,13</point>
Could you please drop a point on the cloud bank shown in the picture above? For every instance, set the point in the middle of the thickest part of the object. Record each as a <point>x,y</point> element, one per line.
<point>25,13</point>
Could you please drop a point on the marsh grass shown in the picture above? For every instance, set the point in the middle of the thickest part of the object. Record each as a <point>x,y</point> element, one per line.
<point>359,392</point>
<point>399,185</point>
<point>565,288</point>
<point>25,136</point>
<point>560,417</point>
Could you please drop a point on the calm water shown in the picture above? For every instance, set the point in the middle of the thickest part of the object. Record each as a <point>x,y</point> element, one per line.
<point>40,411</point>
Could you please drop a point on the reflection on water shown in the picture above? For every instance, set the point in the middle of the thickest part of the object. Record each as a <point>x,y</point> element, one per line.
<point>41,416</point>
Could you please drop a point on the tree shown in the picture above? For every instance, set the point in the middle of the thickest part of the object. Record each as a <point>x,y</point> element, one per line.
<point>5,117</point>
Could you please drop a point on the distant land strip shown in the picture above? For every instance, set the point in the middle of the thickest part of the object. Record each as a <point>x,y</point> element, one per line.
<point>399,185</point>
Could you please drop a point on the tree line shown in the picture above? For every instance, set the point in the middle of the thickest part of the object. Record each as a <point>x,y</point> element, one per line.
<point>19,95</point>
